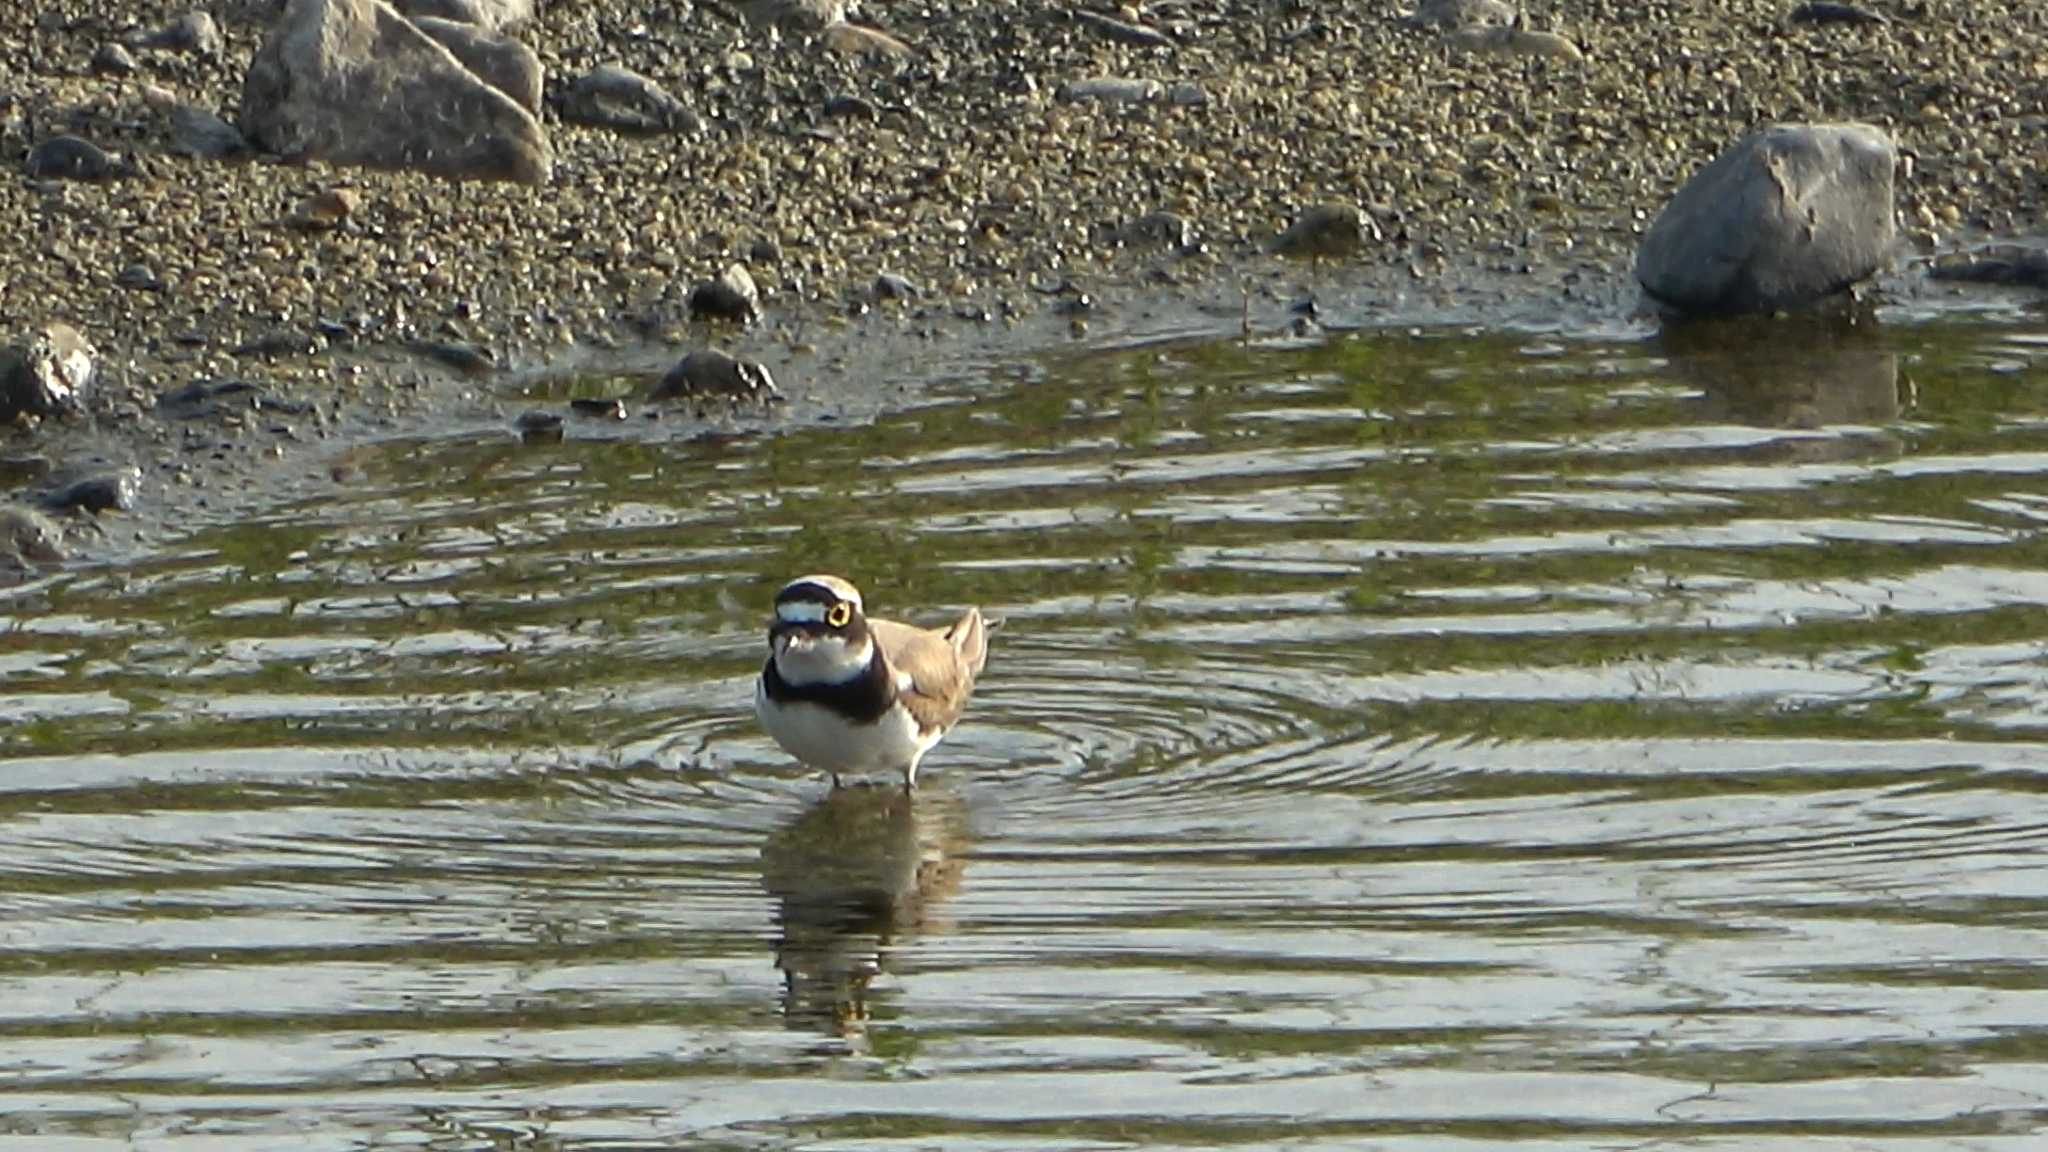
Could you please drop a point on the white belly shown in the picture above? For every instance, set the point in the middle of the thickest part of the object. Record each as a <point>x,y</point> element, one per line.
<point>824,739</point>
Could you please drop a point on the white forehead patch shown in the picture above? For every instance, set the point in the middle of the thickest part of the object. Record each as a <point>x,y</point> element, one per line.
<point>800,612</point>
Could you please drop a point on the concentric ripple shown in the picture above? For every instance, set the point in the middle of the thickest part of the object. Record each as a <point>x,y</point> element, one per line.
<point>1428,742</point>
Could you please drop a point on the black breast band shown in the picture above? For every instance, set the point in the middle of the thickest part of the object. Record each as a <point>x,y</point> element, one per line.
<point>862,700</point>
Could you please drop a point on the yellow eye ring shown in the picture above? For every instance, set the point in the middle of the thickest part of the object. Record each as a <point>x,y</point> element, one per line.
<point>839,614</point>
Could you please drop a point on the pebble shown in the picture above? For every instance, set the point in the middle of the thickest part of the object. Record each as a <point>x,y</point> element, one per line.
<point>1121,32</point>
<point>1157,230</point>
<point>710,372</point>
<point>599,407</point>
<point>468,359</point>
<point>1824,13</point>
<point>114,59</point>
<point>1327,230</point>
<point>324,211</point>
<point>538,426</point>
<point>112,491</point>
<point>857,40</point>
<point>1113,90</point>
<point>198,132</point>
<point>2003,266</point>
<point>139,277</point>
<point>890,286</point>
<point>730,295</point>
<point>795,15</point>
<point>1514,41</point>
<point>71,158</point>
<point>614,96</point>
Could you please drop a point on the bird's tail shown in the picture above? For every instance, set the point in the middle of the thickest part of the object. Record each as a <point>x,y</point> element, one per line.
<point>969,637</point>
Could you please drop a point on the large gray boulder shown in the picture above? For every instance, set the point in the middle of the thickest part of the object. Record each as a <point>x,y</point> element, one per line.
<point>490,15</point>
<point>1785,218</point>
<point>353,82</point>
<point>500,61</point>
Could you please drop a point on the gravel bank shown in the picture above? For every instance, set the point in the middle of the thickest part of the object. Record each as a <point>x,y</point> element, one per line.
<point>1018,145</point>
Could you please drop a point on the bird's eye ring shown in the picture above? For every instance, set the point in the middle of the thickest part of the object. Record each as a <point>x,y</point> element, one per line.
<point>838,615</point>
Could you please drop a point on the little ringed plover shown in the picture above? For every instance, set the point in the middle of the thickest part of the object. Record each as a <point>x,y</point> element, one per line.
<point>855,695</point>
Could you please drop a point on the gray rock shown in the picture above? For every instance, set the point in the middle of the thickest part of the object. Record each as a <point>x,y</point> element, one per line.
<point>111,491</point>
<point>2011,265</point>
<point>500,61</point>
<point>349,82</point>
<point>114,60</point>
<point>1513,40</point>
<point>1449,15</point>
<point>1113,90</point>
<point>730,295</point>
<point>490,15</point>
<point>198,132</point>
<point>1156,230</point>
<point>1785,218</point>
<point>29,537</point>
<point>1109,28</point>
<point>194,32</point>
<point>890,286</point>
<point>1327,230</point>
<point>48,374</point>
<point>860,40</point>
<point>709,372</point>
<point>72,158</point>
<point>794,15</point>
<point>1849,14</point>
<point>614,96</point>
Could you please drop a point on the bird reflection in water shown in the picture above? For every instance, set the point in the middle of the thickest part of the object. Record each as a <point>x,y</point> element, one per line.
<point>850,874</point>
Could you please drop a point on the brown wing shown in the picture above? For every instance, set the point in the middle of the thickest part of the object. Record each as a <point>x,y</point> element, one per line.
<point>940,667</point>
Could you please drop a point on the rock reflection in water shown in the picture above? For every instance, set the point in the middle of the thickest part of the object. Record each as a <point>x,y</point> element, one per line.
<point>1797,372</point>
<point>852,872</point>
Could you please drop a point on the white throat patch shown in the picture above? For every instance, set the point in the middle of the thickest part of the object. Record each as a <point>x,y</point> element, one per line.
<point>826,660</point>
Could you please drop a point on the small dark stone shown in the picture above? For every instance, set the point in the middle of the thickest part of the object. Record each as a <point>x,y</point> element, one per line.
<point>890,286</point>
<point>1156,230</point>
<point>1122,33</point>
<point>731,295</point>
<point>598,407</point>
<point>613,96</point>
<point>71,158</point>
<point>1849,14</point>
<point>139,277</point>
<point>764,251</point>
<point>2012,266</point>
<point>114,60</point>
<point>709,372</point>
<point>537,426</point>
<point>209,397</point>
<point>851,106</point>
<point>468,359</point>
<point>114,491</point>
<point>1304,306</point>
<point>200,133</point>
<point>1327,230</point>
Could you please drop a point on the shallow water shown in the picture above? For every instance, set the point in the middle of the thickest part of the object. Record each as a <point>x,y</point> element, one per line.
<point>1429,741</point>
